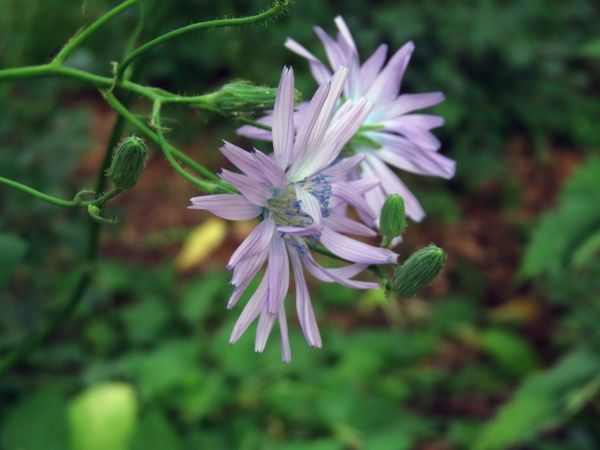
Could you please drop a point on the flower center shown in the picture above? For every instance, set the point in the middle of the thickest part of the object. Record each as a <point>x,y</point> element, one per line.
<point>286,208</point>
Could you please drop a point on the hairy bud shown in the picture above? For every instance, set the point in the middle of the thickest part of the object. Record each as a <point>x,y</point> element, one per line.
<point>128,162</point>
<point>242,98</point>
<point>393,219</point>
<point>418,271</point>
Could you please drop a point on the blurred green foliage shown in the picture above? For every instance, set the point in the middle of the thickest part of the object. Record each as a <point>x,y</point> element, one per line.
<point>453,377</point>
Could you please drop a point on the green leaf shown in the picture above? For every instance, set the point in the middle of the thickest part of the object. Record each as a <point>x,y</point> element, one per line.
<point>545,399</point>
<point>103,417</point>
<point>592,49</point>
<point>585,252</point>
<point>12,250</point>
<point>159,371</point>
<point>563,231</point>
<point>511,351</point>
<point>155,431</point>
<point>202,295</point>
<point>144,320</point>
<point>38,422</point>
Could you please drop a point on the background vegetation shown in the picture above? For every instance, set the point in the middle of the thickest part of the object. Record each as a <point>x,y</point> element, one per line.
<point>501,352</point>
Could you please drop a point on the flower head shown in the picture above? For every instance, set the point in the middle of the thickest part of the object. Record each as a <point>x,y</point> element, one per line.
<point>391,134</point>
<point>299,195</point>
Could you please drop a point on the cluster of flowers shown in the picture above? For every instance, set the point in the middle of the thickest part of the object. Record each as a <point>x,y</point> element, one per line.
<point>300,194</point>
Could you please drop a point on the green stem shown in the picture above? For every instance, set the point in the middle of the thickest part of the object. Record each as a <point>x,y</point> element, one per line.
<point>211,188</point>
<point>109,195</point>
<point>27,347</point>
<point>44,197</point>
<point>80,36</point>
<point>21,352</point>
<point>279,6</point>
<point>49,70</point>
<point>117,106</point>
<point>254,124</point>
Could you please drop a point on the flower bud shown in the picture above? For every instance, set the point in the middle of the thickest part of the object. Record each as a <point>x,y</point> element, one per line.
<point>393,219</point>
<point>128,162</point>
<point>418,271</point>
<point>242,98</point>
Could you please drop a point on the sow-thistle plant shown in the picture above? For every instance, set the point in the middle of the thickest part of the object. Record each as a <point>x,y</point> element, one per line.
<point>299,195</point>
<point>391,134</point>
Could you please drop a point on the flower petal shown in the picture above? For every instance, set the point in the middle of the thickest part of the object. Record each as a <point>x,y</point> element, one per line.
<point>336,57</point>
<point>401,153</point>
<point>343,224</point>
<point>304,308</point>
<point>283,125</point>
<point>286,353</point>
<point>243,160</point>
<point>313,148</point>
<point>253,132</point>
<point>278,274</point>
<point>271,172</point>
<point>227,206</point>
<point>250,312</point>
<point>371,67</point>
<point>340,169</point>
<point>391,184</point>
<point>355,251</point>
<point>255,191</point>
<point>387,84</point>
<point>311,206</point>
<point>243,274</point>
<point>319,71</point>
<point>411,102</point>
<point>256,242</point>
<point>263,329</point>
<point>329,275</point>
<point>344,192</point>
<point>310,118</point>
<point>348,119</point>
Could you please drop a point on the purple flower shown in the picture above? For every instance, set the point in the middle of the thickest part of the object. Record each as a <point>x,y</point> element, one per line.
<point>300,196</point>
<point>390,135</point>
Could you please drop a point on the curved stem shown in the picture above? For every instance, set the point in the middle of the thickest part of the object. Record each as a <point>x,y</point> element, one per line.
<point>279,6</point>
<point>21,352</point>
<point>49,70</point>
<point>44,197</point>
<point>117,106</point>
<point>166,148</point>
<point>254,123</point>
<point>81,35</point>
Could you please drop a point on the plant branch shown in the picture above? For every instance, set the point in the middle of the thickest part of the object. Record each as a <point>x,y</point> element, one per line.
<point>154,137</point>
<point>278,7</point>
<point>209,187</point>
<point>45,197</point>
<point>254,123</point>
<point>81,35</point>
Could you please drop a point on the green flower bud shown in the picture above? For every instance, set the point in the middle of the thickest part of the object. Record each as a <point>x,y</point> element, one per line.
<point>242,98</point>
<point>418,271</point>
<point>393,219</point>
<point>128,162</point>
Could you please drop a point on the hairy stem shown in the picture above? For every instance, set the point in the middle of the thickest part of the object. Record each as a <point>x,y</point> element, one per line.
<point>211,188</point>
<point>81,35</point>
<point>253,123</point>
<point>44,197</point>
<point>201,170</point>
<point>278,7</point>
